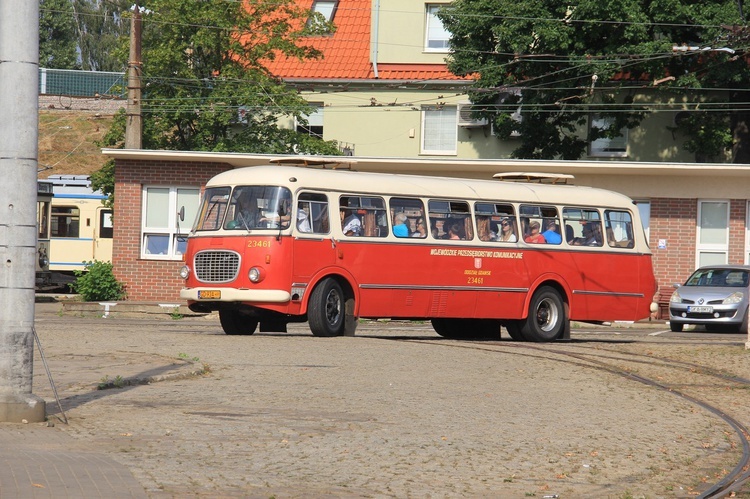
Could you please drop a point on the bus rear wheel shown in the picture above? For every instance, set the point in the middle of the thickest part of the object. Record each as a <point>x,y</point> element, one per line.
<point>546,320</point>
<point>233,322</point>
<point>467,329</point>
<point>326,311</point>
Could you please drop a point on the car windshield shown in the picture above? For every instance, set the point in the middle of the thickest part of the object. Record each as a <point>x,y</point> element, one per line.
<point>725,278</point>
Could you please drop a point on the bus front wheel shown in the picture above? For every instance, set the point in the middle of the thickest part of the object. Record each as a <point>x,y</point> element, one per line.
<point>326,312</point>
<point>546,320</point>
<point>233,322</point>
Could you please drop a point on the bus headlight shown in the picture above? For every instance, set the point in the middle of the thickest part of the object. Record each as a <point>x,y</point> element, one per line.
<point>256,274</point>
<point>43,261</point>
<point>184,271</point>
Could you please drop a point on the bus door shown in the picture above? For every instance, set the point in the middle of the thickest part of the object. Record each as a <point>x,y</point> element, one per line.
<point>314,247</point>
<point>103,235</point>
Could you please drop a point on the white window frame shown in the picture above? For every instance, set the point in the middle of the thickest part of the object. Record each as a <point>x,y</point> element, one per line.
<point>747,233</point>
<point>443,122</point>
<point>314,119</point>
<point>325,7</point>
<point>434,31</point>
<point>702,248</point>
<point>171,229</point>
<point>607,148</point>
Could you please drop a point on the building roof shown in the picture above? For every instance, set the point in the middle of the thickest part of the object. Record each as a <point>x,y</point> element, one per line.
<point>346,53</point>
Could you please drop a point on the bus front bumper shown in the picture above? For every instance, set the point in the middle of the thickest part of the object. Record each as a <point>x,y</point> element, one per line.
<point>235,295</point>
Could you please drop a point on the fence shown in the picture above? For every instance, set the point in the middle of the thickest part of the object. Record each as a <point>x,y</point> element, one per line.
<point>81,83</point>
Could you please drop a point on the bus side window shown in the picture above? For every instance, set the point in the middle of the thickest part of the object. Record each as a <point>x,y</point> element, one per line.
<point>312,213</point>
<point>407,215</point>
<point>363,216</point>
<point>585,225</point>
<point>495,222</point>
<point>450,220</point>
<point>619,229</point>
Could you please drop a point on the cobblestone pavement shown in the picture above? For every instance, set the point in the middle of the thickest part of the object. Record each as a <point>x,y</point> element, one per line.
<point>375,415</point>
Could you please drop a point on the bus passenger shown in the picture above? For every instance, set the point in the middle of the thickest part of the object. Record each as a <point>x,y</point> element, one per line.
<point>507,234</point>
<point>552,235</point>
<point>303,218</point>
<point>421,229</point>
<point>399,225</point>
<point>534,236</point>
<point>352,225</point>
<point>454,232</point>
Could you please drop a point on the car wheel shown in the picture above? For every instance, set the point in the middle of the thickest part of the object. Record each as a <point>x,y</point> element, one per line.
<point>676,327</point>
<point>233,322</point>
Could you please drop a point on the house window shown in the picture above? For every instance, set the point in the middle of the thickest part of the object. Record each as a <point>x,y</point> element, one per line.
<point>712,239</point>
<point>314,126</point>
<point>608,148</point>
<point>163,233</point>
<point>439,129</point>
<point>436,36</point>
<point>644,209</point>
<point>326,8</point>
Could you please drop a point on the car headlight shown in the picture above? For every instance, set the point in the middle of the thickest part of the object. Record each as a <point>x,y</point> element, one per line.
<point>184,271</point>
<point>256,274</point>
<point>675,298</point>
<point>735,297</point>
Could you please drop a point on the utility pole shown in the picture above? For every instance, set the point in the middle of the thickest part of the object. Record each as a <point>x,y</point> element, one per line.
<point>19,99</point>
<point>134,122</point>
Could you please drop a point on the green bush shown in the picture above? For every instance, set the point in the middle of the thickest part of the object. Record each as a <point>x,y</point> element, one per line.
<point>97,282</point>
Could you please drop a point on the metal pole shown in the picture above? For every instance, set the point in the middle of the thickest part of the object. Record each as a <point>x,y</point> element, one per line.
<point>19,74</point>
<point>133,125</point>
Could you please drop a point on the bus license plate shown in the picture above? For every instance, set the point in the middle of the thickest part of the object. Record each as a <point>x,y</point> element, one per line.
<point>701,310</point>
<point>211,294</point>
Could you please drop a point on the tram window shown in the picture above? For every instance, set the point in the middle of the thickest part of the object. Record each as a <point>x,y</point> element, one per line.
<point>65,221</point>
<point>496,222</point>
<point>408,217</point>
<point>363,216</point>
<point>105,224</point>
<point>619,229</point>
<point>450,220</point>
<point>540,224</point>
<point>583,227</point>
<point>312,213</point>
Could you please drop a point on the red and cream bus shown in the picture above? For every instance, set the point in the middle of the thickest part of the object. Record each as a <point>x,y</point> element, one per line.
<point>278,244</point>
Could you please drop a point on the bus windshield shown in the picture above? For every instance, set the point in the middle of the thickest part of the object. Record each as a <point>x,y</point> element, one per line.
<point>246,208</point>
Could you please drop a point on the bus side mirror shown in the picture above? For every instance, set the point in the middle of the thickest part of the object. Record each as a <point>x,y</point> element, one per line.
<point>181,213</point>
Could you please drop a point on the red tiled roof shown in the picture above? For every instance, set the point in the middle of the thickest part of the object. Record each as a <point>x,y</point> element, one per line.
<point>346,54</point>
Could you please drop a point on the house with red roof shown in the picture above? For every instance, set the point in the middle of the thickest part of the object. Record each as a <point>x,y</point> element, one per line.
<point>383,88</point>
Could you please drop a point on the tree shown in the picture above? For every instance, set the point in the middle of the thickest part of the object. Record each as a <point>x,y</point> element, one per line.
<point>560,62</point>
<point>57,41</point>
<point>101,28</point>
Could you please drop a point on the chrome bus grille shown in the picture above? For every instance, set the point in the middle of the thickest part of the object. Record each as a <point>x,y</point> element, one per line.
<point>217,266</point>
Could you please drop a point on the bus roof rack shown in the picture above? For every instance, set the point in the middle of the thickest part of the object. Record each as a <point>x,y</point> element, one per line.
<point>534,177</point>
<point>313,162</point>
